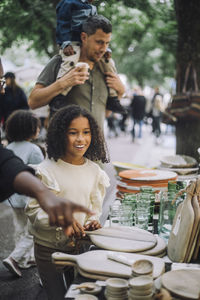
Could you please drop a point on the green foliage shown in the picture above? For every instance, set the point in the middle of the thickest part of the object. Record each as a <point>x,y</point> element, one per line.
<point>144,33</point>
<point>28,20</point>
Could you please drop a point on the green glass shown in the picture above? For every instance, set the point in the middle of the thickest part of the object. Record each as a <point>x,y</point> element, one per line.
<point>147,192</point>
<point>130,200</point>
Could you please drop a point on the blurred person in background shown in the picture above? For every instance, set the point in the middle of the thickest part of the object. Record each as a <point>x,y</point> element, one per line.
<point>155,114</point>
<point>22,127</point>
<point>12,99</point>
<point>137,108</point>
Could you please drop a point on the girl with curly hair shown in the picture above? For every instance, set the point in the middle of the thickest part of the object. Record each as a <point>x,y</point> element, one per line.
<point>22,127</point>
<point>74,144</point>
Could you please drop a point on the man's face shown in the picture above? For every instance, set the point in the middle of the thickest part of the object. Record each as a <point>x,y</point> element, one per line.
<point>95,45</point>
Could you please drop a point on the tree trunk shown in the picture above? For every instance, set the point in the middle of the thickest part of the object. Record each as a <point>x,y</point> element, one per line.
<point>188,51</point>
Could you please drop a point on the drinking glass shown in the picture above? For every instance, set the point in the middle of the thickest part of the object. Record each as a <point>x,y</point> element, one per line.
<point>142,217</point>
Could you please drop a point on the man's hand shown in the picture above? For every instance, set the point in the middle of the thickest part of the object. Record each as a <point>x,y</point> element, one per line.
<point>73,77</point>
<point>68,50</point>
<point>113,81</point>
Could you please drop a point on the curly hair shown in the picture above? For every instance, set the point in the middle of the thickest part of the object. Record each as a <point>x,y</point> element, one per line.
<point>56,134</point>
<point>21,125</point>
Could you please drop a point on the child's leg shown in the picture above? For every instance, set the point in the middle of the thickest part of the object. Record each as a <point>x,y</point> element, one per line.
<point>23,251</point>
<point>108,67</point>
<point>52,279</point>
<point>113,103</point>
<point>68,62</point>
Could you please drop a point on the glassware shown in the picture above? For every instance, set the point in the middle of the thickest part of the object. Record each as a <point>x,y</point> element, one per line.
<point>126,215</point>
<point>114,216</point>
<point>148,192</point>
<point>167,213</point>
<point>121,215</point>
<point>142,217</point>
<point>130,200</point>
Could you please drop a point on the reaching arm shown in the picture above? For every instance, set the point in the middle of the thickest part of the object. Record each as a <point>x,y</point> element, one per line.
<point>60,210</point>
<point>41,95</point>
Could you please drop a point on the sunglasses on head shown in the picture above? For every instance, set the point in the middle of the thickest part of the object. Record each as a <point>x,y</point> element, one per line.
<point>2,82</point>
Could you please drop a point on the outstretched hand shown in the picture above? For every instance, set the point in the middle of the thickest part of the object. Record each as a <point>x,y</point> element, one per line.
<point>60,210</point>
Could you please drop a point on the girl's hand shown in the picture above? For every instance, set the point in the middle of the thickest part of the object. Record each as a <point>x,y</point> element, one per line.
<point>93,225</point>
<point>77,230</point>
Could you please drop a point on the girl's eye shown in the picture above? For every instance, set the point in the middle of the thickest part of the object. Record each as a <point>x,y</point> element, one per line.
<point>72,133</point>
<point>87,132</point>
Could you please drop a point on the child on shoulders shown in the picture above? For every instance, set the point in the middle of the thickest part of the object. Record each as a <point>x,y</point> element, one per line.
<point>71,14</point>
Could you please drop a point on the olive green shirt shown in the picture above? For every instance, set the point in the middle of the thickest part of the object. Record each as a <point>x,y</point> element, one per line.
<point>92,95</point>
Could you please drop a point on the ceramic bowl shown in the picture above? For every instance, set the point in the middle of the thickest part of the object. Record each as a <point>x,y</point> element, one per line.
<point>142,267</point>
<point>144,292</point>
<point>141,282</point>
<point>85,297</point>
<point>133,297</point>
<point>116,283</point>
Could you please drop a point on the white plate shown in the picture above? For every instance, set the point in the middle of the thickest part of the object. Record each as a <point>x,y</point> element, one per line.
<point>147,175</point>
<point>179,161</point>
<point>181,171</point>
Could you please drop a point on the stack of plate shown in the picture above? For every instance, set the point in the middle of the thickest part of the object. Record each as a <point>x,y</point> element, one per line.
<point>122,166</point>
<point>141,288</point>
<point>185,166</point>
<point>116,288</point>
<point>130,181</point>
<point>142,267</point>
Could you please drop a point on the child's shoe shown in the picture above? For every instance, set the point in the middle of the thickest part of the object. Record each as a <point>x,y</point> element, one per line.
<point>12,266</point>
<point>114,105</point>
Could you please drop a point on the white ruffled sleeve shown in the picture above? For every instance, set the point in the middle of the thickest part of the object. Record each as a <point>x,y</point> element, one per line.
<point>98,194</point>
<point>37,216</point>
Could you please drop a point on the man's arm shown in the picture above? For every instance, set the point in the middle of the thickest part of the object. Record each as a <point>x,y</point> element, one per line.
<point>41,95</point>
<point>60,210</point>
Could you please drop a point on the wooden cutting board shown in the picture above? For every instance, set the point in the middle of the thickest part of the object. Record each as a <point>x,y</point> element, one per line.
<point>123,239</point>
<point>195,230</point>
<point>182,228</point>
<point>97,262</point>
<point>183,283</point>
<point>159,249</point>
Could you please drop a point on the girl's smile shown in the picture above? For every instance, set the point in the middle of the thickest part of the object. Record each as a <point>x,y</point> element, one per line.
<point>78,140</point>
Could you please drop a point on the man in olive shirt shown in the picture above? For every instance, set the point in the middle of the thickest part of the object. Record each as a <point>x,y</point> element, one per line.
<point>89,89</point>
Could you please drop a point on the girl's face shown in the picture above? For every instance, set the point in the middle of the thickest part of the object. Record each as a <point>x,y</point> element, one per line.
<point>78,140</point>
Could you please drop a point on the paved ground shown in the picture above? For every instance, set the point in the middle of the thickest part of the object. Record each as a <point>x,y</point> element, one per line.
<point>145,152</point>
